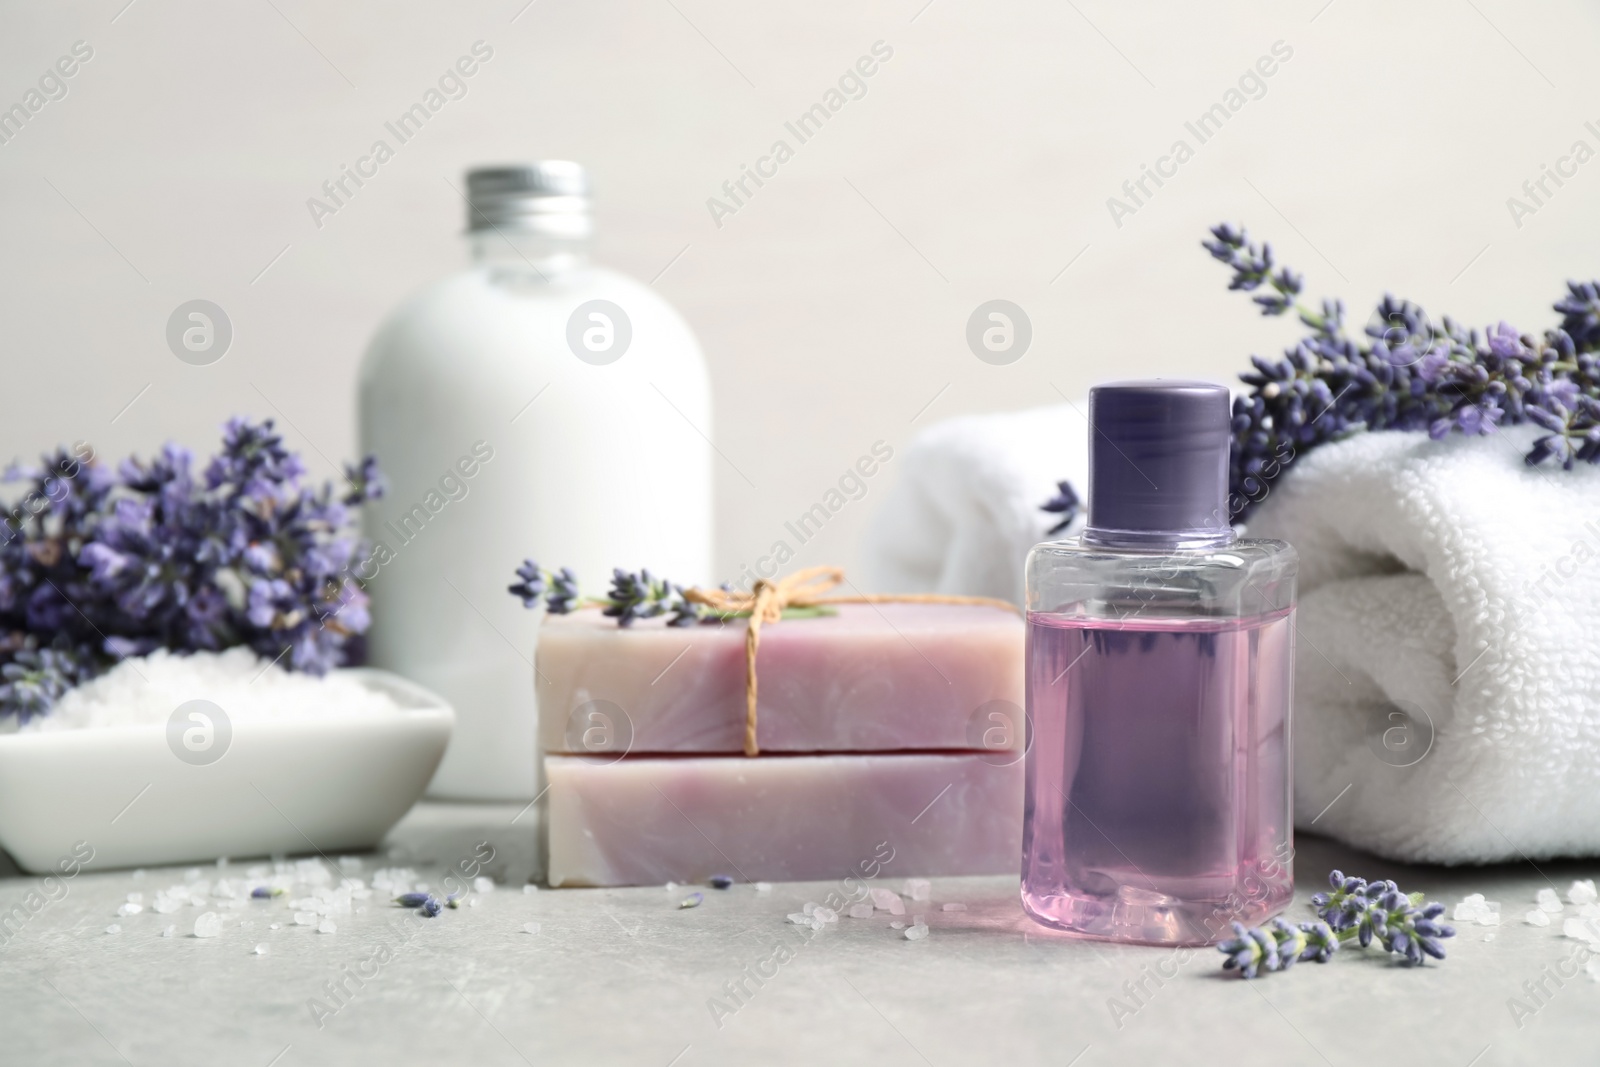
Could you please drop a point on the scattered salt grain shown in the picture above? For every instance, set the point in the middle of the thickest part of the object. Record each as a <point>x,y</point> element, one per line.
<point>1583,892</point>
<point>763,887</point>
<point>1548,901</point>
<point>275,926</point>
<point>473,903</point>
<point>919,889</point>
<point>327,926</point>
<point>305,918</point>
<point>862,910</point>
<point>810,907</point>
<point>1581,929</point>
<point>483,885</point>
<point>917,931</point>
<point>169,931</point>
<point>261,949</point>
<point>135,898</point>
<point>827,915</point>
<point>130,908</point>
<point>954,906</point>
<point>1489,936</point>
<point>209,924</point>
<point>897,925</point>
<point>887,900</point>
<point>1537,917</point>
<point>672,887</point>
<point>1475,909</point>
<point>529,889</point>
<point>799,918</point>
<point>530,928</point>
<point>113,929</point>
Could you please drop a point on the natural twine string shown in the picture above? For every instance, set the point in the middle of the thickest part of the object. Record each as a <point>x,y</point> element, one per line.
<point>804,589</point>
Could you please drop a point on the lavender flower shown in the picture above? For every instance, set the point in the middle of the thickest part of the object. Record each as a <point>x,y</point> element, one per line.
<point>1250,951</point>
<point>632,595</point>
<point>36,678</point>
<point>532,585</point>
<point>1368,911</point>
<point>1356,910</point>
<point>563,591</point>
<point>1065,503</point>
<point>1404,372</point>
<point>96,566</point>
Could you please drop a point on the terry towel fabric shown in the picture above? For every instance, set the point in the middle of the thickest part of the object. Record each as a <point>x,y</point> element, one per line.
<point>965,510</point>
<point>1448,663</point>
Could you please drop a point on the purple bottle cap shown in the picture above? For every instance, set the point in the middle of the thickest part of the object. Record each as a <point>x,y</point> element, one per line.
<point>1158,464</point>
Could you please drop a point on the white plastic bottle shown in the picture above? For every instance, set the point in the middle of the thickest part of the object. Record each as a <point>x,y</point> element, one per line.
<point>529,406</point>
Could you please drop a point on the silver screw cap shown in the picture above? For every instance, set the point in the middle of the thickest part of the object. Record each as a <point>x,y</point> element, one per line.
<point>549,198</point>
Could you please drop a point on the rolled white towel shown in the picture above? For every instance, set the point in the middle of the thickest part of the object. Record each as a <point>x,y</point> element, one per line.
<point>965,510</point>
<point>1448,663</point>
<point>1447,589</point>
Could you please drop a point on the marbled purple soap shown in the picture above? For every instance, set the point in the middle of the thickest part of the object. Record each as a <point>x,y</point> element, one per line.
<point>643,821</point>
<point>873,678</point>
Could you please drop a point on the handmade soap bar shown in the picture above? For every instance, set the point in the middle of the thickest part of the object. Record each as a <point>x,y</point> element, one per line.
<point>872,678</point>
<point>642,821</point>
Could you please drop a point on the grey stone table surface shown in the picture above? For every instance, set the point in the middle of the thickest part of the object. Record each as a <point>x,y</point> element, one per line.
<point>626,976</point>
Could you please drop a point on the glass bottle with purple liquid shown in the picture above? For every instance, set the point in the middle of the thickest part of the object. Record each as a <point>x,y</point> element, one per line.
<point>1160,674</point>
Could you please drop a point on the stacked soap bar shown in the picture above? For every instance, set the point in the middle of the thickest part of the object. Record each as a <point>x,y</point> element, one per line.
<point>898,723</point>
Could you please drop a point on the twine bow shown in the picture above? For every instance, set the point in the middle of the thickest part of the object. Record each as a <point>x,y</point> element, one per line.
<point>803,589</point>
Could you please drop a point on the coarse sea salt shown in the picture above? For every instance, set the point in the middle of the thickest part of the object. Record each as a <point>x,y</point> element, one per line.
<point>1537,917</point>
<point>887,900</point>
<point>1583,892</point>
<point>862,910</point>
<point>145,689</point>
<point>1548,901</point>
<point>919,889</point>
<point>209,924</point>
<point>1476,909</point>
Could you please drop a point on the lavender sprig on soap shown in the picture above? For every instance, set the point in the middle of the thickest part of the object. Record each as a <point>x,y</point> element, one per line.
<point>632,595</point>
<point>1356,910</point>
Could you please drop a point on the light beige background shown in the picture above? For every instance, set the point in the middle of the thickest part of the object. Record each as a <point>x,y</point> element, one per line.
<point>833,306</point>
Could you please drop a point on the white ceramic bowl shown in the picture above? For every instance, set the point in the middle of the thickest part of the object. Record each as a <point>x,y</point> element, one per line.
<point>336,782</point>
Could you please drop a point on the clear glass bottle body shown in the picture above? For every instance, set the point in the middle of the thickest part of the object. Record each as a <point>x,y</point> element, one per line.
<point>1159,805</point>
